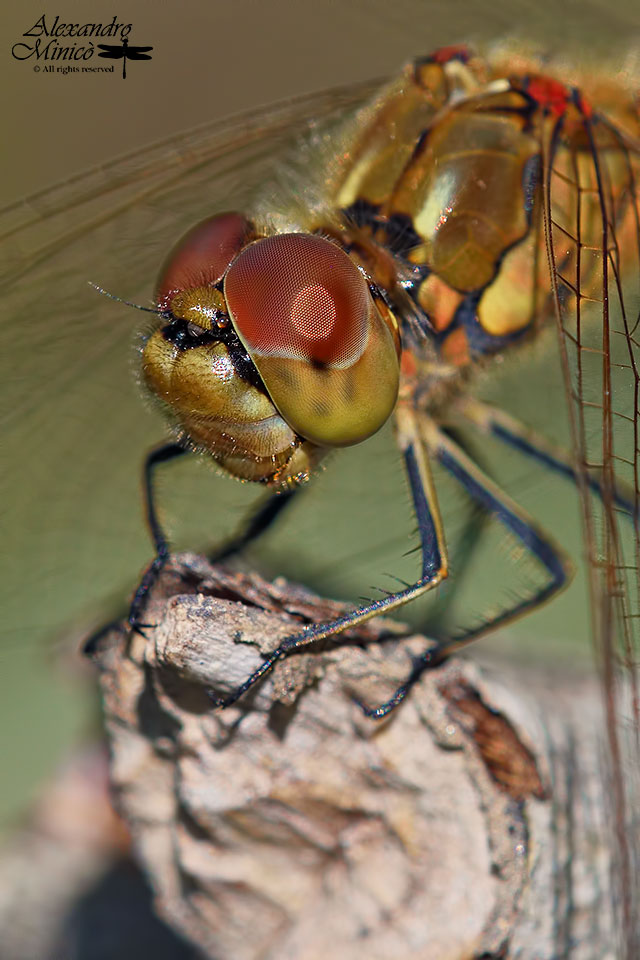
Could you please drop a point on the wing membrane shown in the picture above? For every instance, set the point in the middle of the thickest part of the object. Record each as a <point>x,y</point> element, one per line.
<point>36,226</point>
<point>591,210</point>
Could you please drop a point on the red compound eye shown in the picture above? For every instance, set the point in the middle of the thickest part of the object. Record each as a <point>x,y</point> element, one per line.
<point>325,353</point>
<point>299,296</point>
<point>201,257</point>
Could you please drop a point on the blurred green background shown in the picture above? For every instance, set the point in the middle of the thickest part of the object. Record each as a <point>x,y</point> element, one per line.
<point>74,430</point>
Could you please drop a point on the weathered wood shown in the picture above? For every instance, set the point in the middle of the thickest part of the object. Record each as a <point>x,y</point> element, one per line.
<point>468,823</point>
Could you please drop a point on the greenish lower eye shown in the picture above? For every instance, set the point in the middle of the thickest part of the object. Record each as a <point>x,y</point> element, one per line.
<point>305,314</point>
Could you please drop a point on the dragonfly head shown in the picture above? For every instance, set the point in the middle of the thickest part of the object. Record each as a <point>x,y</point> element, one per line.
<point>269,344</point>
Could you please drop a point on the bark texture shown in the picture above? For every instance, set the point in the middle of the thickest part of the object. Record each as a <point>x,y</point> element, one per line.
<point>466,824</point>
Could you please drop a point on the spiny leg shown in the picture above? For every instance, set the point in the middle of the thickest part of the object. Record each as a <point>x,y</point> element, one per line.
<point>506,428</point>
<point>434,558</point>
<point>161,454</point>
<point>473,529</point>
<point>155,457</point>
<point>257,524</point>
<point>485,492</point>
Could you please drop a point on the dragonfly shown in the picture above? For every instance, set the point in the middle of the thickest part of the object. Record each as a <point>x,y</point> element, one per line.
<point>124,52</point>
<point>464,213</point>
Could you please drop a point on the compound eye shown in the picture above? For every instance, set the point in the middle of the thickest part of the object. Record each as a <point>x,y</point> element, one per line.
<point>299,296</point>
<point>201,257</point>
<point>326,355</point>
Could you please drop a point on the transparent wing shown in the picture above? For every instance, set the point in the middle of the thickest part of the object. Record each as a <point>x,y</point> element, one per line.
<point>592,216</point>
<point>40,225</point>
<point>74,430</point>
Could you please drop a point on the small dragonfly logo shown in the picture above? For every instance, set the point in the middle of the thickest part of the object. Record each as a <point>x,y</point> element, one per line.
<point>123,52</point>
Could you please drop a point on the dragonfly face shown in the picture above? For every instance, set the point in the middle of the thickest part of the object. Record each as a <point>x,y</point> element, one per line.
<point>269,349</point>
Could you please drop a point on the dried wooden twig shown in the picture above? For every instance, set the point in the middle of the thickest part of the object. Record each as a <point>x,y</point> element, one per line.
<point>290,826</point>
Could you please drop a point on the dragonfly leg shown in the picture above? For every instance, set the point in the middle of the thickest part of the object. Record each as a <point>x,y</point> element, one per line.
<point>157,456</point>
<point>434,559</point>
<point>492,499</point>
<point>501,425</point>
<point>255,527</point>
<point>257,524</point>
<point>168,451</point>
